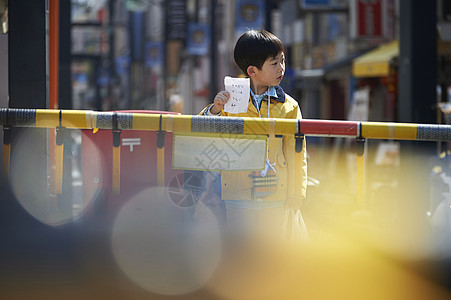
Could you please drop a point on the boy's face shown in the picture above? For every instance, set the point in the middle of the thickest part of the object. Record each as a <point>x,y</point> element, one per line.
<point>272,71</point>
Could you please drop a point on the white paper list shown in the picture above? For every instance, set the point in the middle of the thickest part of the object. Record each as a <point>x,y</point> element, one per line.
<point>239,90</point>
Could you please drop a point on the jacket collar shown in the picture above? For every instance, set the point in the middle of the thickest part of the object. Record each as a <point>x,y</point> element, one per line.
<point>280,98</point>
<point>280,94</point>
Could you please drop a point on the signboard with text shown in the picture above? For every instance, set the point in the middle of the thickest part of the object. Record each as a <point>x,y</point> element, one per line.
<point>369,18</point>
<point>372,19</point>
<point>175,19</point>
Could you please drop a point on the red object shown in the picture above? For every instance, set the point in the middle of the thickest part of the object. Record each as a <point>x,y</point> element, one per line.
<point>369,18</point>
<point>322,127</point>
<point>138,165</point>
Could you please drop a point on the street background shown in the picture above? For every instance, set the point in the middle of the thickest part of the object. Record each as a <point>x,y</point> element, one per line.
<point>360,60</point>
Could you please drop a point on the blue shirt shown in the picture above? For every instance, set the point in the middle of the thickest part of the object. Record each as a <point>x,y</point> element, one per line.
<point>257,99</point>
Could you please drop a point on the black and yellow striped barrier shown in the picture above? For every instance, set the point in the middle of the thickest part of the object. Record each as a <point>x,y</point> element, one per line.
<point>196,125</point>
<point>80,119</point>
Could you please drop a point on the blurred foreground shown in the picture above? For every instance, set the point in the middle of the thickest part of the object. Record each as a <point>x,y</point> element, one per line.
<point>152,249</point>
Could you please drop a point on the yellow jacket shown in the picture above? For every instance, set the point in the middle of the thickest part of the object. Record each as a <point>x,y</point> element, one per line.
<point>291,167</point>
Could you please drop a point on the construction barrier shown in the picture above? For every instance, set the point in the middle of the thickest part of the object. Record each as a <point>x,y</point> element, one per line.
<point>79,119</point>
<point>159,123</point>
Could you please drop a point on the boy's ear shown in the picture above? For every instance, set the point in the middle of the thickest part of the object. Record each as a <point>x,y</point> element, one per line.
<point>251,70</point>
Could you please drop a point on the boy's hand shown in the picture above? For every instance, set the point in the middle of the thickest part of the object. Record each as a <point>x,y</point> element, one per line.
<point>219,102</point>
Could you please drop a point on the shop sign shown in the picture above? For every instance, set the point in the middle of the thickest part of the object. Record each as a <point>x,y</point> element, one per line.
<point>175,19</point>
<point>369,18</point>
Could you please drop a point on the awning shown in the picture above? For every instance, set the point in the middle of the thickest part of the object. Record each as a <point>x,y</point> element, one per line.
<point>319,73</point>
<point>376,63</point>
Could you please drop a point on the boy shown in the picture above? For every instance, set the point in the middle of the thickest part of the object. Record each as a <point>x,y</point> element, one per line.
<point>259,198</point>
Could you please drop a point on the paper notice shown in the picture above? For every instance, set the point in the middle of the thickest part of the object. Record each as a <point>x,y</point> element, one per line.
<point>239,90</point>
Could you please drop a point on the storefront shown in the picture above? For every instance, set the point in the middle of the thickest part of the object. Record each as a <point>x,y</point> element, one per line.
<point>377,71</point>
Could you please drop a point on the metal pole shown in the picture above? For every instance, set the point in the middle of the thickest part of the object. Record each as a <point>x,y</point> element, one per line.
<point>111,49</point>
<point>65,60</point>
<point>417,63</point>
<point>213,51</point>
<point>417,101</point>
<point>53,53</point>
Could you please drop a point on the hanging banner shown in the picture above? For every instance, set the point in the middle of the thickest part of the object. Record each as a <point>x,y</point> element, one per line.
<point>137,29</point>
<point>154,54</point>
<point>230,152</point>
<point>249,14</point>
<point>175,19</point>
<point>198,39</point>
<point>370,18</point>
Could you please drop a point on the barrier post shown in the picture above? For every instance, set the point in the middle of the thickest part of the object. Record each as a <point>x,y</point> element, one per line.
<point>59,156</point>
<point>116,176</point>
<point>160,154</point>
<point>6,152</point>
<point>360,151</point>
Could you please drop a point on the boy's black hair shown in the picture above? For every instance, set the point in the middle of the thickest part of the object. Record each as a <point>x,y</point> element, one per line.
<point>254,47</point>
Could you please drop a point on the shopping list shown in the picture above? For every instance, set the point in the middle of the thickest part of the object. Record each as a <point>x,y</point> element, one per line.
<point>239,90</point>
